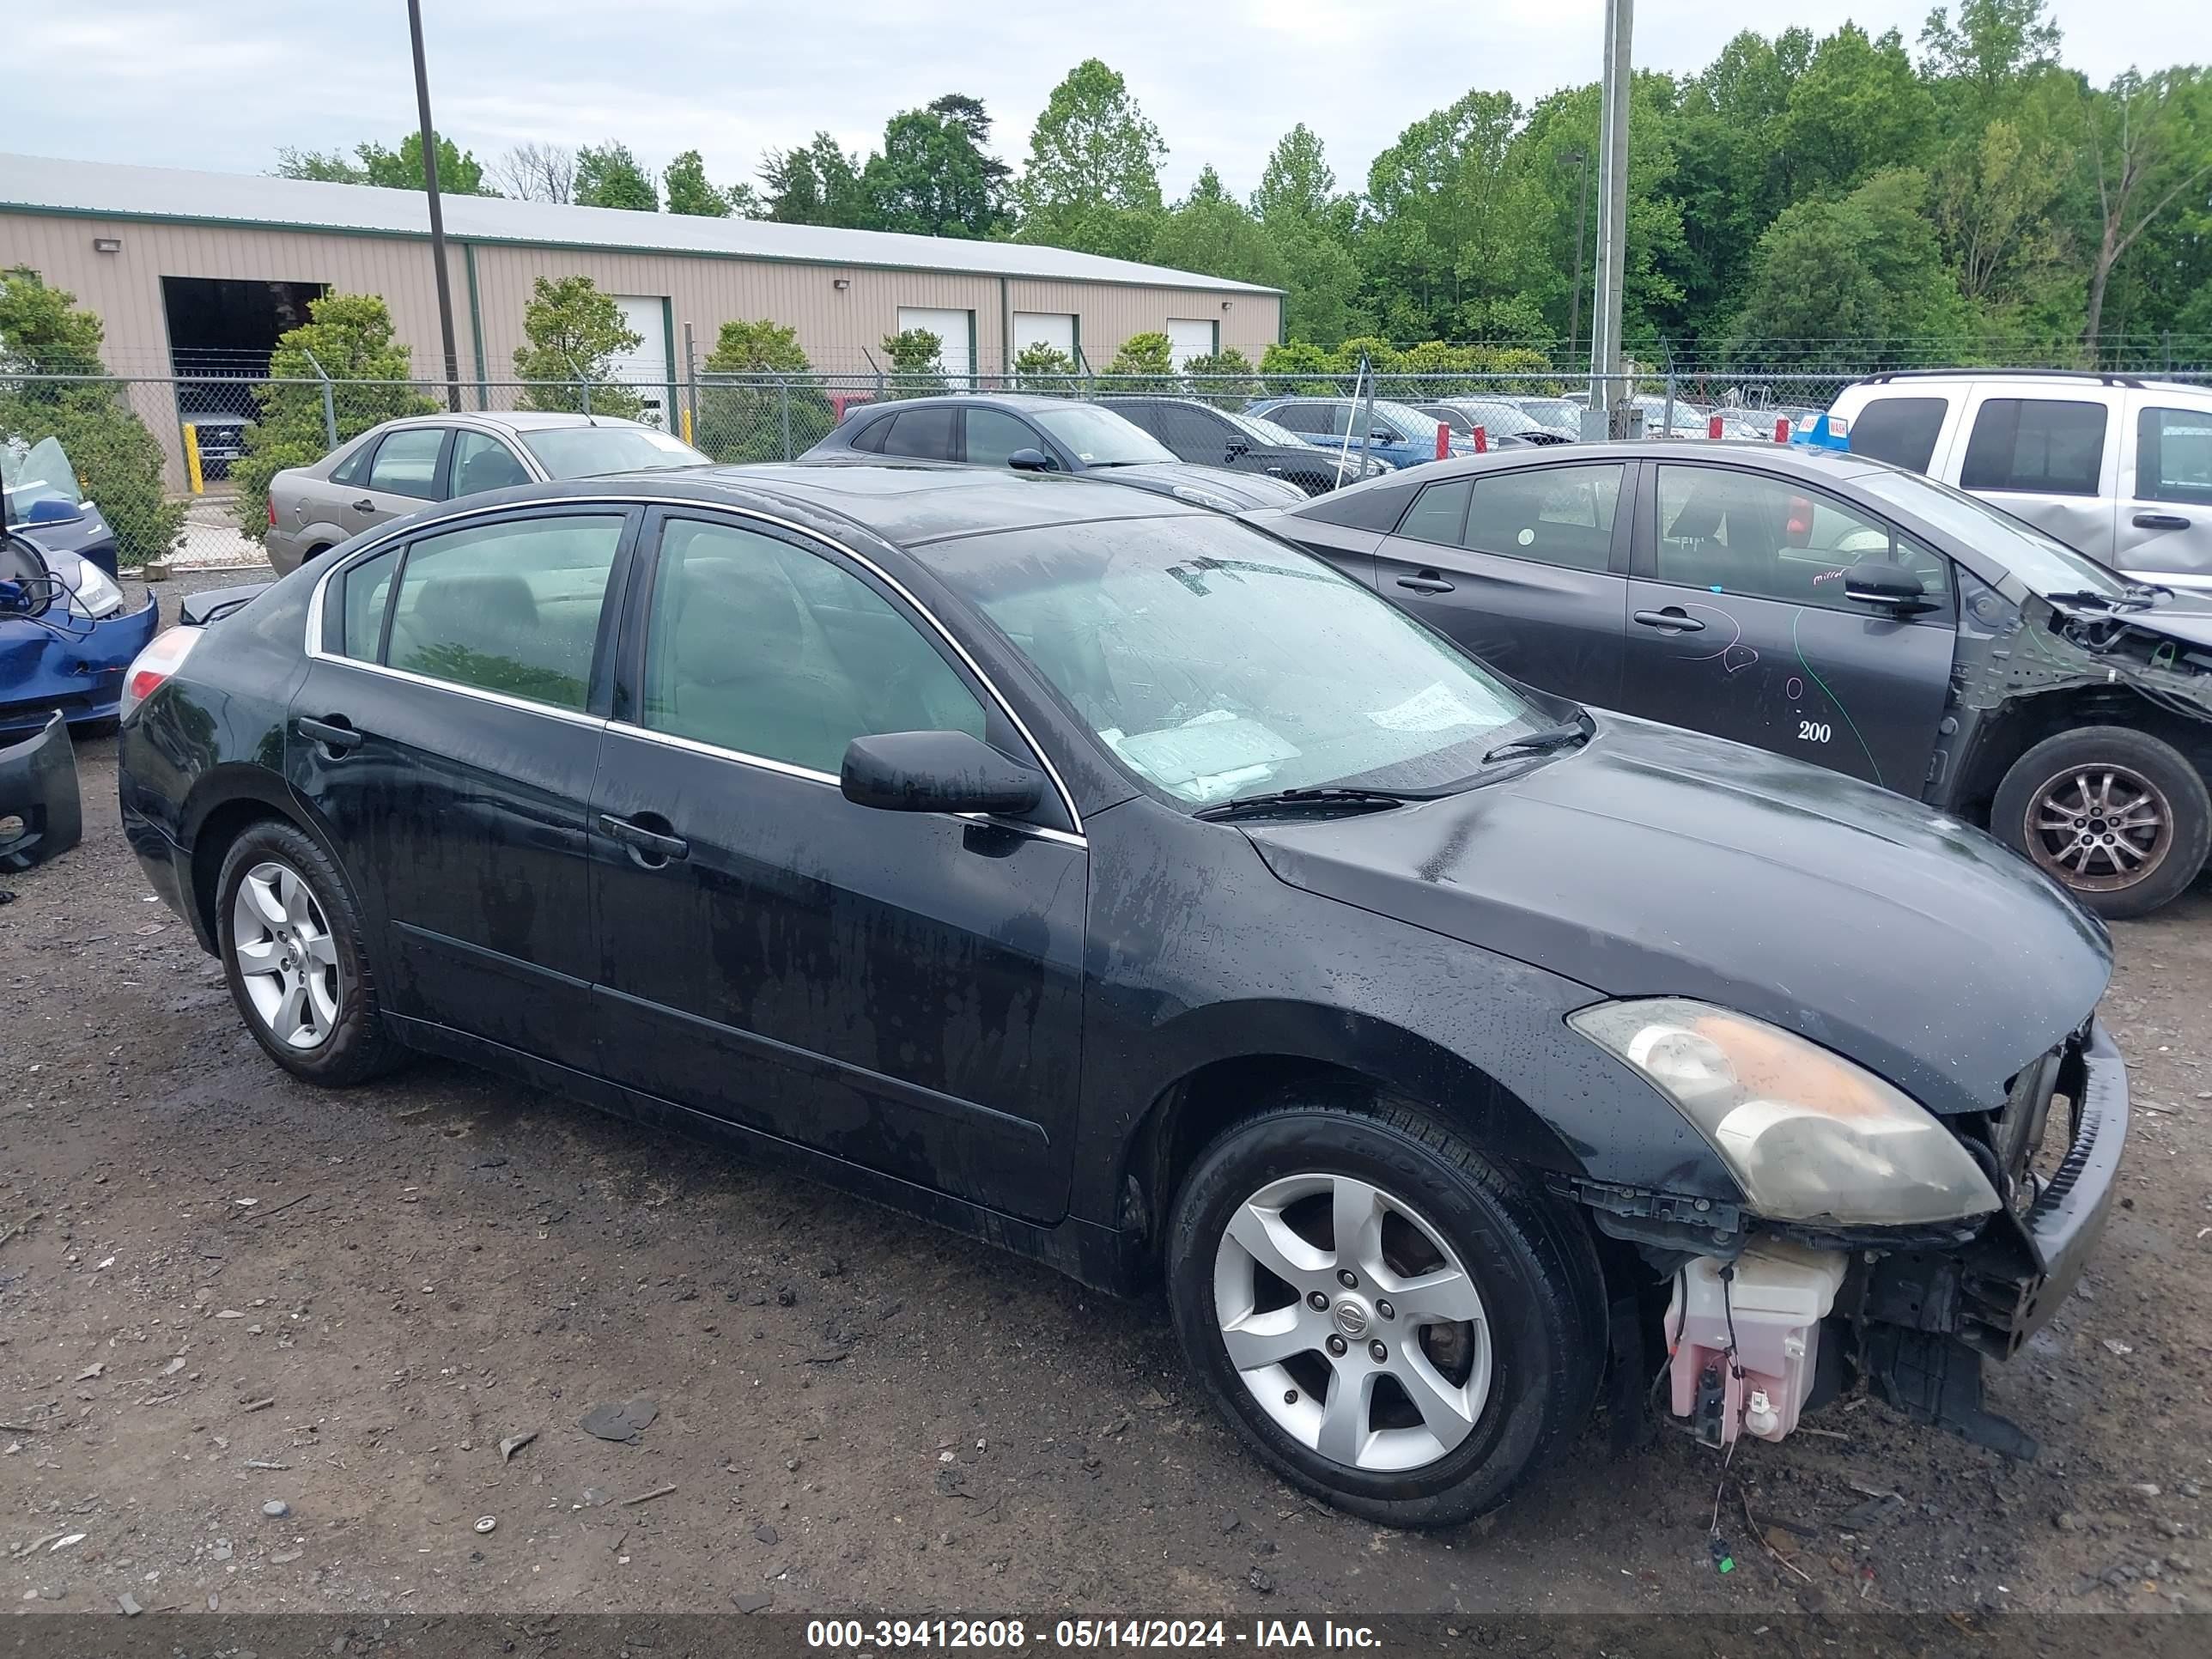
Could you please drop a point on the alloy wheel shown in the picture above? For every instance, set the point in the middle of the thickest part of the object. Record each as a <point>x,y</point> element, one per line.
<point>1352,1322</point>
<point>287,960</point>
<point>2099,829</point>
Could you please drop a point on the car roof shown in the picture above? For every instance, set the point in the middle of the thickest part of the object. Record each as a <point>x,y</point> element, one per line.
<point>906,503</point>
<point>972,399</point>
<point>2075,377</point>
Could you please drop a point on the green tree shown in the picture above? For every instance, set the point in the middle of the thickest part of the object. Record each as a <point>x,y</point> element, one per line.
<point>1146,362</point>
<point>1211,232</point>
<point>459,172</point>
<point>2149,142</point>
<point>119,462</point>
<point>688,192</point>
<point>1858,107</point>
<point>1310,223</point>
<point>915,359</point>
<point>608,176</point>
<point>772,390</point>
<point>1093,178</point>
<point>933,177</point>
<point>818,184</point>
<point>575,332</point>
<point>1988,46</point>
<point>349,336</point>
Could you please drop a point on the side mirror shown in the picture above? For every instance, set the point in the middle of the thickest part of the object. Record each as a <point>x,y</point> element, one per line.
<point>52,509</point>
<point>937,772</point>
<point>1382,434</point>
<point>1030,460</point>
<point>1889,586</point>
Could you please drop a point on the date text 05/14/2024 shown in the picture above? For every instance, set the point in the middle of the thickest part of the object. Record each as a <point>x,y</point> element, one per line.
<point>868,1636</point>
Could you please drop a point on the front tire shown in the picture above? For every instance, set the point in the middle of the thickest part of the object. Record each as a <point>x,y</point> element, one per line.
<point>2122,820</point>
<point>1391,1322</point>
<point>290,936</point>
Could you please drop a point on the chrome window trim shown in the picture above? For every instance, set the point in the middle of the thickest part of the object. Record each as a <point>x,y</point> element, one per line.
<point>829,780</point>
<point>571,716</point>
<point>314,629</point>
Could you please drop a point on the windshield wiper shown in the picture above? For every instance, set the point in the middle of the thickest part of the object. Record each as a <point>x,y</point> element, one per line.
<point>2136,598</point>
<point>1329,795</point>
<point>1542,743</point>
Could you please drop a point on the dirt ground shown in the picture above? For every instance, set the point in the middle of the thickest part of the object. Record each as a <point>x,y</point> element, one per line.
<point>220,1290</point>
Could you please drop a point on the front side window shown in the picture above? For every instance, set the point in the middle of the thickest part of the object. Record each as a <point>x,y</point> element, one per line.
<point>1761,537</point>
<point>512,607</point>
<point>2173,456</point>
<point>1099,437</point>
<point>762,648</point>
<point>1214,662</point>
<point>1560,515</point>
<point>1900,430</point>
<point>406,462</point>
<point>993,435</point>
<point>2037,446</point>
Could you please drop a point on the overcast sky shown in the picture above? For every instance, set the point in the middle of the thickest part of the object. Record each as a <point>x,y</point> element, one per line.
<point>202,85</point>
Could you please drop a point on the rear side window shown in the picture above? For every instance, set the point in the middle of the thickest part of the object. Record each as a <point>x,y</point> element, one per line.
<point>1900,430</point>
<point>1560,515</point>
<point>406,462</point>
<point>1300,418</point>
<point>870,438</point>
<point>2173,456</point>
<point>361,593</point>
<point>2037,446</point>
<point>924,433</point>
<point>1439,514</point>
<point>512,607</point>
<point>349,470</point>
<point>482,462</point>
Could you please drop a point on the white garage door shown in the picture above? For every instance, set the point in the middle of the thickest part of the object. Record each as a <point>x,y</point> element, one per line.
<point>1193,338</point>
<point>954,330</point>
<point>646,368</point>
<point>1055,329</point>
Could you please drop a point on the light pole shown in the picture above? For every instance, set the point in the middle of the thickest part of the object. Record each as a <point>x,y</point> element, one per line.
<point>437,213</point>
<point>1612,216</point>
<point>1581,159</point>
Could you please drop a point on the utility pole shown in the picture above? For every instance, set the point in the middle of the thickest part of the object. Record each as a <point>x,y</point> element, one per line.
<point>1581,159</point>
<point>437,213</point>
<point>1612,216</point>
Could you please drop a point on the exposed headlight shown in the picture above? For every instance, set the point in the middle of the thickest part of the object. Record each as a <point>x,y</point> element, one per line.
<point>1810,1136</point>
<point>95,596</point>
<point>1205,498</point>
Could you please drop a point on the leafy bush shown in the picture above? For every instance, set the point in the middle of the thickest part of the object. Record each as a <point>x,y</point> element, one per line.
<point>350,336</point>
<point>574,332</point>
<point>1146,362</point>
<point>1223,378</point>
<point>1046,368</point>
<point>118,461</point>
<point>747,420</point>
<point>1298,368</point>
<point>915,356</point>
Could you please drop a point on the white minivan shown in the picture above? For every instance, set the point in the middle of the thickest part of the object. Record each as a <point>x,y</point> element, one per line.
<point>2117,466</point>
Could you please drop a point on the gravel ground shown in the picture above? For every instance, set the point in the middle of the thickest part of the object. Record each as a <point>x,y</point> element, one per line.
<point>221,1292</point>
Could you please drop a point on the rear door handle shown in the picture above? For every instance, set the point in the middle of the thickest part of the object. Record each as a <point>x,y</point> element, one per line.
<point>647,846</point>
<point>335,733</point>
<point>2160,521</point>
<point>364,505</point>
<point>1427,582</point>
<point>1672,620</point>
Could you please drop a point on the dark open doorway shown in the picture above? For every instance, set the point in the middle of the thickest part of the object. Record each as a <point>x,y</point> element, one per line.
<point>221,332</point>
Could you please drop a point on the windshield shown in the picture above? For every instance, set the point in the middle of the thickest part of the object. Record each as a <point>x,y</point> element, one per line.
<point>1554,412</point>
<point>587,452</point>
<point>39,473</point>
<point>1260,431</point>
<point>2047,566</point>
<point>1215,662</point>
<point>1099,437</point>
<point>1494,416</point>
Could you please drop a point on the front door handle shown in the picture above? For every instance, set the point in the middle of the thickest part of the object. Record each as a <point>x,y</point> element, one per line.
<point>364,505</point>
<point>1426,581</point>
<point>335,733</point>
<point>648,845</point>
<point>1673,620</point>
<point>2160,521</point>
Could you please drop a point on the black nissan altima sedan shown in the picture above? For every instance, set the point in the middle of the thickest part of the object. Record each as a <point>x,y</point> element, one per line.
<point>1106,878</point>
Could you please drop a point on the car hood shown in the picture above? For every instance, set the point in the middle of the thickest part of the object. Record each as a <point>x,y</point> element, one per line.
<point>2186,616</point>
<point>1654,861</point>
<point>1245,489</point>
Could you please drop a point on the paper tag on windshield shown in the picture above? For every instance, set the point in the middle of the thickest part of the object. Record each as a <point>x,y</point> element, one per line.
<point>1439,708</point>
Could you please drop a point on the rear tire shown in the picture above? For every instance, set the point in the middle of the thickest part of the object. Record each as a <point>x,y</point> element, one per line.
<point>290,936</point>
<point>2119,819</point>
<point>1459,1340</point>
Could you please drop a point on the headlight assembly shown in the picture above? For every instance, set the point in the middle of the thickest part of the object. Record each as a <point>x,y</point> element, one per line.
<point>95,596</point>
<point>1810,1136</point>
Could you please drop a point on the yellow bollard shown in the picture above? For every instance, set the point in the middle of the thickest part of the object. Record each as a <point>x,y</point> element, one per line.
<point>192,458</point>
<point>687,425</point>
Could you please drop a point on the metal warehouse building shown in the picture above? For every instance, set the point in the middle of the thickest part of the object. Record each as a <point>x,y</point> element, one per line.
<point>196,273</point>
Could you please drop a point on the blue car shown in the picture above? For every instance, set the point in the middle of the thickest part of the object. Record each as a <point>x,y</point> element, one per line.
<point>1398,434</point>
<point>73,654</point>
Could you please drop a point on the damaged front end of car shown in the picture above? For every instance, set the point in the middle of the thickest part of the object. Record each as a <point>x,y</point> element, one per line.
<point>1877,1243</point>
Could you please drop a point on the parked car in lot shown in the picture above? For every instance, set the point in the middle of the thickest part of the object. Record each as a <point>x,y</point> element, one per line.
<point>400,466</point>
<point>1197,431</point>
<point>1499,421</point>
<point>2117,466</point>
<point>1828,606</point>
<point>1033,433</point>
<point>1103,876</point>
<point>66,646</point>
<point>1397,433</point>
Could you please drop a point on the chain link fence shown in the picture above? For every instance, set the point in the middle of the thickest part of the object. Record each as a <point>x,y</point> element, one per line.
<point>178,464</point>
